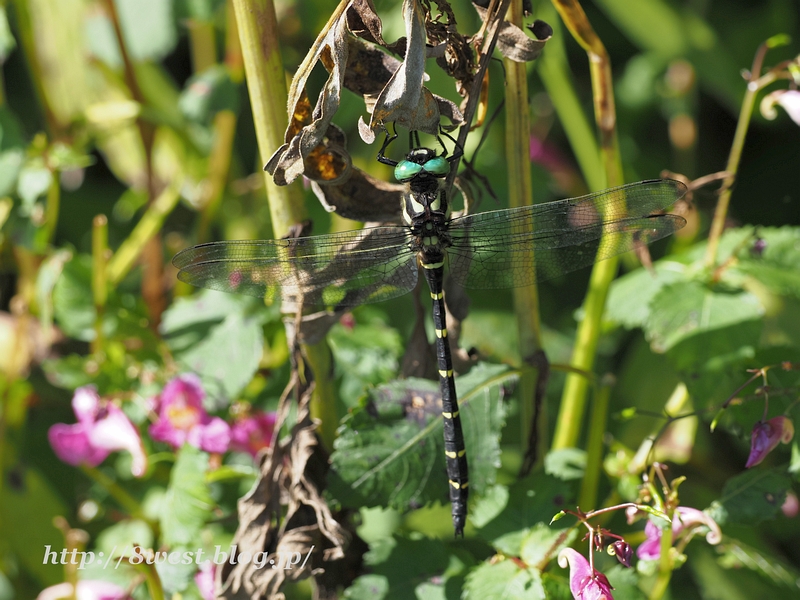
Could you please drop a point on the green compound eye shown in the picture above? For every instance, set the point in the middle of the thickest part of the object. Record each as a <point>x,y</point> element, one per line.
<point>406,170</point>
<point>437,166</point>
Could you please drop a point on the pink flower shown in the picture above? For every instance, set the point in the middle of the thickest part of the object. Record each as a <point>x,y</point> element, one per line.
<point>789,101</point>
<point>253,432</point>
<point>767,435</point>
<point>102,428</point>
<point>182,418</point>
<point>204,579</point>
<point>585,583</point>
<point>87,589</point>
<point>684,521</point>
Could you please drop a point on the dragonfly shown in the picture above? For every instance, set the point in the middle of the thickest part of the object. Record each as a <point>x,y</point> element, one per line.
<point>497,249</point>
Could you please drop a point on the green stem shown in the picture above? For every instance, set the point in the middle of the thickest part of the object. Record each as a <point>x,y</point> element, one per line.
<point>123,498</point>
<point>554,72</point>
<point>520,192</point>
<point>745,114</point>
<point>573,400</point>
<point>266,83</point>
<point>52,206</point>
<point>665,565</point>
<point>99,273</point>
<point>594,446</point>
<point>149,225</point>
<point>154,586</point>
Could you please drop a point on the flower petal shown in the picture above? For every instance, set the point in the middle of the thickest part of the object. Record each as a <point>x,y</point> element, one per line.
<point>87,589</point>
<point>204,579</point>
<point>214,436</point>
<point>114,432</point>
<point>86,403</point>
<point>584,583</point>
<point>72,445</point>
<point>766,436</point>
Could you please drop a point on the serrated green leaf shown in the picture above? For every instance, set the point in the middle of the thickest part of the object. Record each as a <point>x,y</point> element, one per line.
<point>188,503</point>
<point>566,463</point>
<point>631,295</point>
<point>751,497</point>
<point>776,266</point>
<point>685,309</point>
<point>504,579</point>
<point>391,452</point>
<point>229,355</point>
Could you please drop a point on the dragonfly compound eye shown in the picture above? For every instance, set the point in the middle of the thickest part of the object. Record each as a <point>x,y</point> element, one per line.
<point>406,170</point>
<point>437,166</point>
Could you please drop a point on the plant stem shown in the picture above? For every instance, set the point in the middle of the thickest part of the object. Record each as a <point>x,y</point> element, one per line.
<point>99,276</point>
<point>123,498</point>
<point>573,400</point>
<point>594,445</point>
<point>147,227</point>
<point>266,83</point>
<point>746,112</point>
<point>520,193</point>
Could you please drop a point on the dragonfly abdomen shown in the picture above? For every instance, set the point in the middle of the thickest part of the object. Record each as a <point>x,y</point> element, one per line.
<point>454,448</point>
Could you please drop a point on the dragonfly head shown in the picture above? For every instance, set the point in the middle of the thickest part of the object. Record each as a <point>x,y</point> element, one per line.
<point>421,162</point>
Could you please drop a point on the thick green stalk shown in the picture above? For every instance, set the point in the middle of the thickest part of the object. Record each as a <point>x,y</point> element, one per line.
<point>554,72</point>
<point>520,193</point>
<point>266,83</point>
<point>573,400</point>
<point>587,499</point>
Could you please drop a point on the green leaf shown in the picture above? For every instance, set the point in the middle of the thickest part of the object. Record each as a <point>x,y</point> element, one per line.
<point>10,165</point>
<point>735,554</point>
<point>33,182</point>
<point>7,41</point>
<point>390,450</point>
<point>776,266</point>
<point>752,497</point>
<point>686,309</point>
<point>208,93</point>
<point>367,354</point>
<point>73,304</point>
<point>29,506</point>
<point>566,463</point>
<point>631,295</point>
<point>218,336</point>
<point>504,579</point>
<point>399,566</point>
<point>505,517</point>
<point>625,583</point>
<point>188,503</point>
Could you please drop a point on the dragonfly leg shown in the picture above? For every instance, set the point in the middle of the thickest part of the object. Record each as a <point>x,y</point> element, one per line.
<point>390,137</point>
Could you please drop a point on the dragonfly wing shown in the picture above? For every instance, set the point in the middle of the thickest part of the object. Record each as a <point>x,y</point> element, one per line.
<point>339,269</point>
<point>515,247</point>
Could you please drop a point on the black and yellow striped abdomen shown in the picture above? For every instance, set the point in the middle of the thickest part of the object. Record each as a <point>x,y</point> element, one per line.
<point>454,449</point>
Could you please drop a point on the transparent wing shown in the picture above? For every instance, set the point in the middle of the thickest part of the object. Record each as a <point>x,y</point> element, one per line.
<point>339,269</point>
<point>515,247</point>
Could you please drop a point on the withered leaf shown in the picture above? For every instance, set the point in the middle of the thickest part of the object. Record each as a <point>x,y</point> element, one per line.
<point>515,44</point>
<point>292,479</point>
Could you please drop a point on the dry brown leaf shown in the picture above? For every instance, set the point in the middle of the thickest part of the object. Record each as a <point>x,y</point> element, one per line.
<point>285,514</point>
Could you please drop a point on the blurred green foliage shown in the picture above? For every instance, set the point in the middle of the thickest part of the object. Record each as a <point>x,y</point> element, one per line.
<point>157,134</point>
